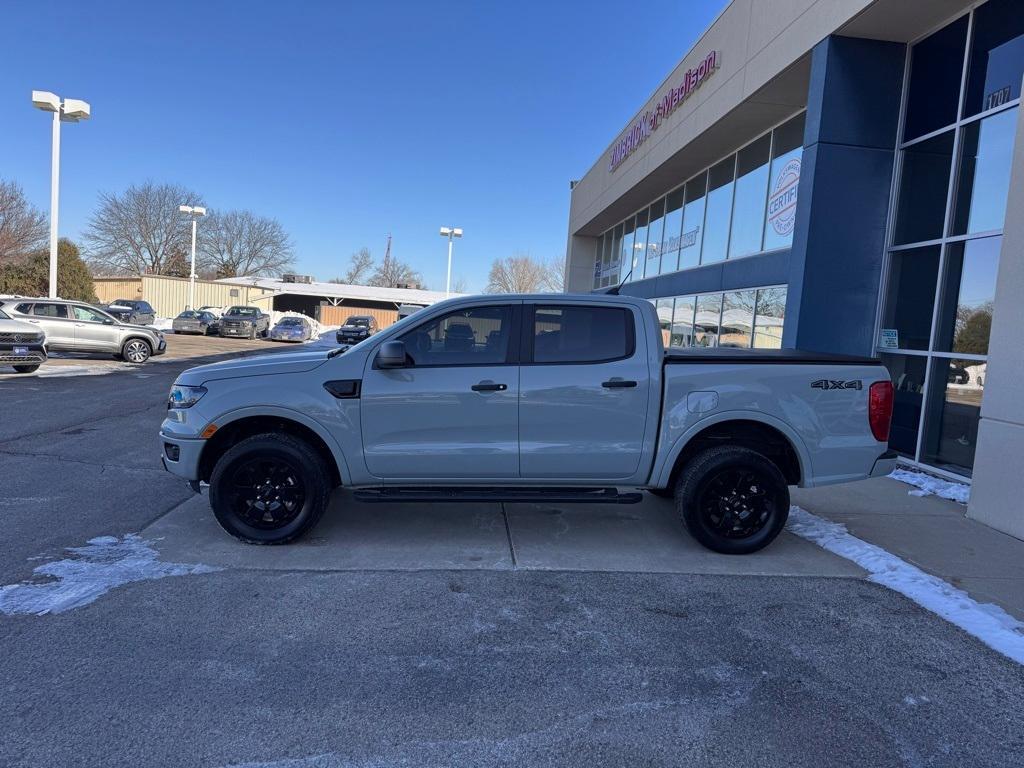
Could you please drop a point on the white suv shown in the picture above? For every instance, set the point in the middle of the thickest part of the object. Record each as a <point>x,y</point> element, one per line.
<point>21,345</point>
<point>74,326</point>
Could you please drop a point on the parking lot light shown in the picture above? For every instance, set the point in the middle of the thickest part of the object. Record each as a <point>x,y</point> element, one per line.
<point>450,233</point>
<point>195,211</point>
<point>68,111</point>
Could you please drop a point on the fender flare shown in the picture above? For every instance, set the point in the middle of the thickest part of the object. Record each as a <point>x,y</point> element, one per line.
<point>664,473</point>
<point>298,417</point>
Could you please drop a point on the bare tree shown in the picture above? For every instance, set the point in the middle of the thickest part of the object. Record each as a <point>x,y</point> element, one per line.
<point>522,274</point>
<point>360,267</point>
<point>140,231</point>
<point>392,272</point>
<point>459,285</point>
<point>243,244</point>
<point>23,227</point>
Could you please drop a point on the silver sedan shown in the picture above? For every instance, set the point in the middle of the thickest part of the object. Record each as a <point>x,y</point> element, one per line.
<point>189,321</point>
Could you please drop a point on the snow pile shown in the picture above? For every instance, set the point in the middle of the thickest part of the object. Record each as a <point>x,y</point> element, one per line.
<point>91,571</point>
<point>927,485</point>
<point>989,623</point>
<point>163,323</point>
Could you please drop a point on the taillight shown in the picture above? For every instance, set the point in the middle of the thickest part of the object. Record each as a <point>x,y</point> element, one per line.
<point>880,409</point>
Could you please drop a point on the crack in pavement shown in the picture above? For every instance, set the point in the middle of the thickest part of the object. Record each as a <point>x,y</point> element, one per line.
<point>58,457</point>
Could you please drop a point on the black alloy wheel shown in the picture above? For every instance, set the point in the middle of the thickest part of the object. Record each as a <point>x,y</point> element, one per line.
<point>732,499</point>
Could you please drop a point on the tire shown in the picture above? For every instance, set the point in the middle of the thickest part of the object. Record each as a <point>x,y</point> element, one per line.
<point>27,368</point>
<point>245,481</point>
<point>264,333</point>
<point>732,500</point>
<point>136,351</point>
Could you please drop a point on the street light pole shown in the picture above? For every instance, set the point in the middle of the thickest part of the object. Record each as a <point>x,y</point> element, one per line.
<point>451,233</point>
<point>67,111</point>
<point>195,211</point>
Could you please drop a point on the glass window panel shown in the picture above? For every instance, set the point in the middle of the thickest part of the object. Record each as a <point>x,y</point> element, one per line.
<point>923,188</point>
<point>769,318</point>
<point>911,295</point>
<point>738,319</point>
<point>581,334</point>
<point>695,196</point>
<point>986,156</point>
<point>682,321</point>
<point>968,295</point>
<point>640,245</point>
<point>908,384</point>
<point>936,65</point>
<point>784,181</point>
<point>719,211</point>
<point>599,263</point>
<point>626,254</point>
<point>654,234</point>
<point>997,56</point>
<point>673,224</point>
<point>748,205</point>
<point>615,253</point>
<point>664,309</point>
<point>475,336</point>
<point>705,325</point>
<point>953,413</point>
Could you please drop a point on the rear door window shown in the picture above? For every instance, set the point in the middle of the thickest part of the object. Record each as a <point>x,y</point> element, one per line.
<point>50,310</point>
<point>582,334</point>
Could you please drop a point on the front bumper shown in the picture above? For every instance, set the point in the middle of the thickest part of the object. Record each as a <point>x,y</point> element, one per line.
<point>180,456</point>
<point>350,338</point>
<point>884,464</point>
<point>161,347</point>
<point>241,332</point>
<point>34,354</point>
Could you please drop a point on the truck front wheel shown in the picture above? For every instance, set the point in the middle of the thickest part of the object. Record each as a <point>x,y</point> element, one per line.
<point>733,500</point>
<point>269,488</point>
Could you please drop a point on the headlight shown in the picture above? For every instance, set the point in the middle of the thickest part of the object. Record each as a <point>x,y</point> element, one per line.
<point>184,397</point>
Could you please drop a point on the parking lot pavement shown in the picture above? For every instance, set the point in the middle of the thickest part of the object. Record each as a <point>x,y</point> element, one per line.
<point>353,535</point>
<point>409,636</point>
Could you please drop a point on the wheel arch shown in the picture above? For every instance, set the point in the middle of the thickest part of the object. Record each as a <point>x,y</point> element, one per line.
<point>244,423</point>
<point>757,431</point>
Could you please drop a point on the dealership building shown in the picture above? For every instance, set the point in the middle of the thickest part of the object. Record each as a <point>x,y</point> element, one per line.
<point>842,176</point>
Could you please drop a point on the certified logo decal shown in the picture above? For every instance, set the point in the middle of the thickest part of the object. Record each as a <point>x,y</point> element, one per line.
<point>782,201</point>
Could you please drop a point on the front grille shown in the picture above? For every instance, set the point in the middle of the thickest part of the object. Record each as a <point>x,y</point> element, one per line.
<point>20,337</point>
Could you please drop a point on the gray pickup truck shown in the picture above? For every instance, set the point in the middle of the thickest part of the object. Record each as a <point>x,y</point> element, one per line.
<point>556,399</point>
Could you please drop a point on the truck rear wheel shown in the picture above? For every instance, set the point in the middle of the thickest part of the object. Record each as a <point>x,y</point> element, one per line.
<point>270,489</point>
<point>733,500</point>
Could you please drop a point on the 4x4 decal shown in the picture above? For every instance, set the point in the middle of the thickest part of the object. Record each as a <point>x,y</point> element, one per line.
<point>835,384</point>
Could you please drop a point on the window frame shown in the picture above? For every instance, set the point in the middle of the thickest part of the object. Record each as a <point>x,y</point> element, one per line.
<point>511,352</point>
<point>527,337</point>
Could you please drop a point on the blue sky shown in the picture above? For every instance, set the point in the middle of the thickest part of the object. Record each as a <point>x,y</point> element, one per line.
<point>346,121</point>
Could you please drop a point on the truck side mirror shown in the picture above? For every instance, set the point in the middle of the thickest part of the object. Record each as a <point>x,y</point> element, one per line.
<point>391,355</point>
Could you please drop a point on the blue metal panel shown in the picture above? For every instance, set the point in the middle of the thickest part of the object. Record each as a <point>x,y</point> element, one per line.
<point>839,237</point>
<point>749,272</point>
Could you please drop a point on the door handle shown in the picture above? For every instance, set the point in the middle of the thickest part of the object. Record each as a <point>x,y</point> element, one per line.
<point>489,386</point>
<point>617,384</point>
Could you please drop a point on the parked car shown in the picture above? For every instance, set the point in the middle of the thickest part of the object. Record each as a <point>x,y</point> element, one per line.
<point>193,321</point>
<point>247,322</point>
<point>132,311</point>
<point>292,328</point>
<point>215,311</point>
<point>553,399</point>
<point>22,345</point>
<point>74,326</point>
<point>357,328</point>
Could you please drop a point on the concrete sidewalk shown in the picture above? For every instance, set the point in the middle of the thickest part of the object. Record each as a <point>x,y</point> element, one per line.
<point>932,533</point>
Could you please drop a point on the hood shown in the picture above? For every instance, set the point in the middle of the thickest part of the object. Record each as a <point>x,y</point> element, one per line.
<point>260,365</point>
<point>351,328</point>
<point>17,326</point>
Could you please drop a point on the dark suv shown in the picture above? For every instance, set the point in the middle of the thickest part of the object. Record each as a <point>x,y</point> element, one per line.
<point>247,322</point>
<point>132,311</point>
<point>357,328</point>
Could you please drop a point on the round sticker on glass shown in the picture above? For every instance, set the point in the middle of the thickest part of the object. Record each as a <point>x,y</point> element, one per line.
<point>782,201</point>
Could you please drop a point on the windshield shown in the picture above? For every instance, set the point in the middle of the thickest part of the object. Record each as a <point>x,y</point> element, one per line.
<point>244,311</point>
<point>187,315</point>
<point>361,322</point>
<point>291,321</point>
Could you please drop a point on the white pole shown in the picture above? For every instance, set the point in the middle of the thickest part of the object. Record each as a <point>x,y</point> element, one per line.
<point>192,272</point>
<point>448,282</point>
<point>54,196</point>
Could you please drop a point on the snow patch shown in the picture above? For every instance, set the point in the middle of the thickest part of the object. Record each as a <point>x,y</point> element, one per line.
<point>91,571</point>
<point>989,623</point>
<point>162,323</point>
<point>928,485</point>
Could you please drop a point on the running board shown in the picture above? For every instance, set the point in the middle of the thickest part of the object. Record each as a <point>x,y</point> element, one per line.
<point>511,494</point>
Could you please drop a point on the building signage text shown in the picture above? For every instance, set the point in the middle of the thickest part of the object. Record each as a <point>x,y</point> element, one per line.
<point>651,119</point>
